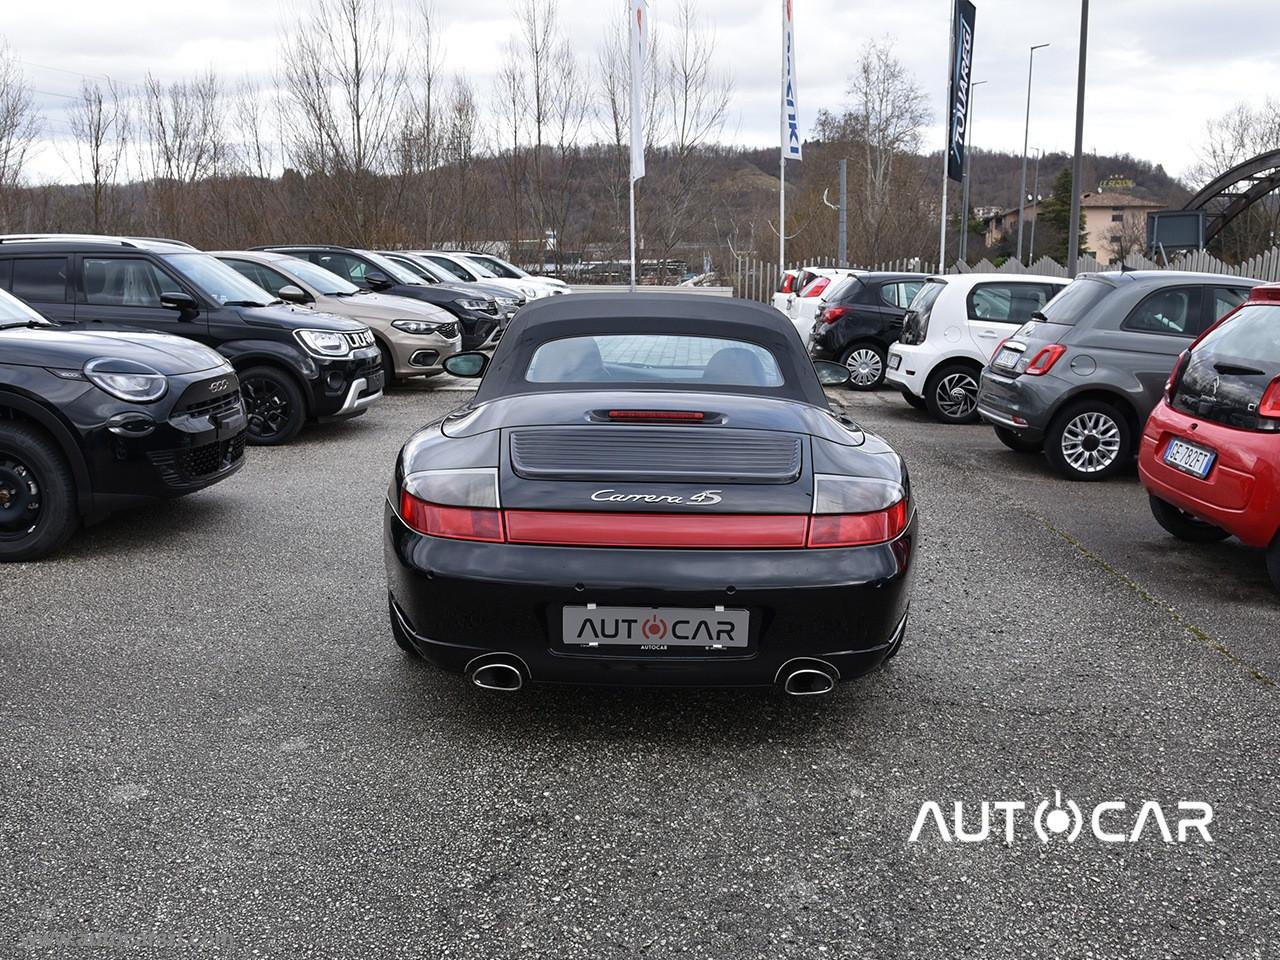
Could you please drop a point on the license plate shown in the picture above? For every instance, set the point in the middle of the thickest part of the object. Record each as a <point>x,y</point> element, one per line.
<point>375,380</point>
<point>1008,358</point>
<point>655,628</point>
<point>1189,458</point>
<point>895,361</point>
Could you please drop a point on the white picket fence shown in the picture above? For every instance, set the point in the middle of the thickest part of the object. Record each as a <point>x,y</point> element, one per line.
<point>757,280</point>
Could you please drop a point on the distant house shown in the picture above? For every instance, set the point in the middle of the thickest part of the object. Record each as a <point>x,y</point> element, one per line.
<point>1115,224</point>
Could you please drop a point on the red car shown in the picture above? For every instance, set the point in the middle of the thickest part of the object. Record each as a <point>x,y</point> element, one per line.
<point>1210,455</point>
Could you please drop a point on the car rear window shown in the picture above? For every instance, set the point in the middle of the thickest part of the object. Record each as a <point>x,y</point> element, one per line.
<point>1075,300</point>
<point>1254,332</point>
<point>639,359</point>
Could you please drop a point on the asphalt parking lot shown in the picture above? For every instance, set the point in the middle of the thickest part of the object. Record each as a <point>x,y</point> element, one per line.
<point>212,748</point>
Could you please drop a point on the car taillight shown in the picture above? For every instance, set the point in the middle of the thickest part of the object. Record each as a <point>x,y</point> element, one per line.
<point>1270,403</point>
<point>786,283</point>
<point>1044,360</point>
<point>1175,374</point>
<point>658,415</point>
<point>858,529</point>
<point>453,523</point>
<point>832,314</point>
<point>456,504</point>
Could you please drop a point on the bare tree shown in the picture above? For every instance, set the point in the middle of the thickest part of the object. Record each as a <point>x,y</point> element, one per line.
<point>99,121</point>
<point>1239,134</point>
<point>693,110</point>
<point>344,84</point>
<point>459,149</point>
<point>183,146</point>
<point>18,131</point>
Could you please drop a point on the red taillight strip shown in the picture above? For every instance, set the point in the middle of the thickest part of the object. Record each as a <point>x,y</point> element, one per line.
<point>711,530</point>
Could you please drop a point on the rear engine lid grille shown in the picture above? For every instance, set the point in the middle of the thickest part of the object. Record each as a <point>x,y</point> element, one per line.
<point>694,454</point>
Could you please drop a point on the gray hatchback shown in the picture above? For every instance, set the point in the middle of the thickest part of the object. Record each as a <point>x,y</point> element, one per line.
<point>1079,380</point>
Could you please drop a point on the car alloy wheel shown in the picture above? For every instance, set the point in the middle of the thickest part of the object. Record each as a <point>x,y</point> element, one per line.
<point>866,367</point>
<point>1090,442</point>
<point>267,406</point>
<point>20,498</point>
<point>956,395</point>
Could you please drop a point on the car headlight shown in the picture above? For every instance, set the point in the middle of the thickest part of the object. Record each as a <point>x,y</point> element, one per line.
<point>473,304</point>
<point>127,379</point>
<point>415,326</point>
<point>323,343</point>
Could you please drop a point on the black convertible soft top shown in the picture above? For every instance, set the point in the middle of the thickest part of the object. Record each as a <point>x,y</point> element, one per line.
<point>594,314</point>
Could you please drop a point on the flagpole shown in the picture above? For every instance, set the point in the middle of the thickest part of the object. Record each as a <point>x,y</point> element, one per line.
<point>633,234</point>
<point>946,140</point>
<point>782,155</point>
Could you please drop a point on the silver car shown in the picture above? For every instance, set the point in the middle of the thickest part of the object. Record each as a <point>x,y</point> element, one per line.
<point>414,337</point>
<point>1079,380</point>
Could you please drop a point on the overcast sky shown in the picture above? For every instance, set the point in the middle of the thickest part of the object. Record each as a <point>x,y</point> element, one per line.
<point>1158,69</point>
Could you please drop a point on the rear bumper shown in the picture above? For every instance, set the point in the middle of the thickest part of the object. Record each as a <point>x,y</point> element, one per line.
<point>911,368</point>
<point>1241,494</point>
<point>458,600</point>
<point>1024,405</point>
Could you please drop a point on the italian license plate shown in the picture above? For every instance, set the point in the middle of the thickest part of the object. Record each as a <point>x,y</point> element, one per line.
<point>895,361</point>
<point>655,628</point>
<point>1189,458</point>
<point>1008,359</point>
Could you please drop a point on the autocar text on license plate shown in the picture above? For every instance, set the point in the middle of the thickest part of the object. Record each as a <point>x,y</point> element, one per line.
<point>654,627</point>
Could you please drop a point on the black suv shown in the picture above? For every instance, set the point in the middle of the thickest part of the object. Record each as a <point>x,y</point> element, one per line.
<point>293,364</point>
<point>91,422</point>
<point>478,314</point>
<point>861,319</point>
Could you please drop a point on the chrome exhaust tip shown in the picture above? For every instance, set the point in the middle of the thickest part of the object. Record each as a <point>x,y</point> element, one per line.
<point>808,682</point>
<point>504,677</point>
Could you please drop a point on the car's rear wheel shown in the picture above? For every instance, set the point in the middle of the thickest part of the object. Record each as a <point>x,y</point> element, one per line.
<point>951,394</point>
<point>866,365</point>
<point>1090,440</point>
<point>912,399</point>
<point>1183,525</point>
<point>1018,443</point>
<point>38,511</point>
<point>273,404</point>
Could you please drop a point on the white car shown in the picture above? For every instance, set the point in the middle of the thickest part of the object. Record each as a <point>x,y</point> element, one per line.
<point>506,270</point>
<point>786,290</point>
<point>952,328</point>
<point>458,267</point>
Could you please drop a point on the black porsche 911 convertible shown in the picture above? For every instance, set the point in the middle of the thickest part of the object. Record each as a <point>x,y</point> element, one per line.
<point>649,489</point>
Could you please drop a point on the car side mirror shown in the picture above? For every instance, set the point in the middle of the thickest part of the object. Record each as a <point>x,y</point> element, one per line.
<point>472,363</point>
<point>184,303</point>
<point>378,281</point>
<point>831,374</point>
<point>291,293</point>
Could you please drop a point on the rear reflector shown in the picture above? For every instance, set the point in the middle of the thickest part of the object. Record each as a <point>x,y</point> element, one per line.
<point>454,523</point>
<point>858,529</point>
<point>658,415</point>
<point>709,531</point>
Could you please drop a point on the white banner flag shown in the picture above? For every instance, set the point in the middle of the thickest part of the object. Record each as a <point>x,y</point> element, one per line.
<point>790,117</point>
<point>639,48</point>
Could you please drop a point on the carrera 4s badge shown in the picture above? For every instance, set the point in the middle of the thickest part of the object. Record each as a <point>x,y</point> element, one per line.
<point>703,499</point>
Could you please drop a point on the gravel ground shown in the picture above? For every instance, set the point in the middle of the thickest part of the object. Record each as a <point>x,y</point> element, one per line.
<point>212,748</point>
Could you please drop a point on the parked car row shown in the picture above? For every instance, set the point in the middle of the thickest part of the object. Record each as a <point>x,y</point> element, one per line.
<point>133,368</point>
<point>1178,369</point>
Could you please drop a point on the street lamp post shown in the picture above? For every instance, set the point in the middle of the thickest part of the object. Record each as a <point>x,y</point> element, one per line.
<point>1026,136</point>
<point>1077,161</point>
<point>1035,199</point>
<point>968,162</point>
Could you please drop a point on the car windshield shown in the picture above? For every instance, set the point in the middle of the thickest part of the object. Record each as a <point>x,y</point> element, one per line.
<point>460,270</point>
<point>218,281</point>
<point>479,268</point>
<point>1074,301</point>
<point>392,269</point>
<point>416,266</point>
<point>1254,332</point>
<point>633,358</point>
<point>15,313</point>
<point>322,280</point>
